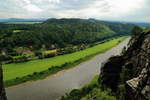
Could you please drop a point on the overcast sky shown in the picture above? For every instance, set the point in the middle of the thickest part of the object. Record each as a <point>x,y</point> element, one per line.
<point>123,10</point>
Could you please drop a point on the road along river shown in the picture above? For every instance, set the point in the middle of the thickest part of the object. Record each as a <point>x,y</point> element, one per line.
<point>63,82</point>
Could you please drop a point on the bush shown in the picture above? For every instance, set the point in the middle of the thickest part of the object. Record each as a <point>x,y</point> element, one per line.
<point>29,75</point>
<point>136,30</point>
<point>5,57</point>
<point>38,53</point>
<point>67,50</point>
<point>17,78</point>
<point>121,91</point>
<point>97,94</point>
<point>65,64</point>
<point>75,92</point>
<point>19,59</point>
<point>49,68</point>
<point>35,73</point>
<point>14,53</point>
<point>41,73</point>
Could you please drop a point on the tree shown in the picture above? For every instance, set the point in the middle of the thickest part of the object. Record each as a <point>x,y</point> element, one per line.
<point>2,90</point>
<point>136,30</point>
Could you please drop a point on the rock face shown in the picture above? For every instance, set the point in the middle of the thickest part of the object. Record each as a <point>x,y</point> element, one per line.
<point>136,59</point>
<point>110,73</point>
<point>139,88</point>
<point>2,90</point>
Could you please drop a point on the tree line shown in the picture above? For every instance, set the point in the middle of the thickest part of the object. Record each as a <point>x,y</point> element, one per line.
<point>56,33</point>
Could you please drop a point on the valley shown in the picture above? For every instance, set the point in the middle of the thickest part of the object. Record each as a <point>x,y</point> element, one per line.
<point>57,85</point>
<point>74,50</point>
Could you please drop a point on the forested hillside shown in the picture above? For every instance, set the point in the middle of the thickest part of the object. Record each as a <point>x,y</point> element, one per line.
<point>122,77</point>
<point>56,33</point>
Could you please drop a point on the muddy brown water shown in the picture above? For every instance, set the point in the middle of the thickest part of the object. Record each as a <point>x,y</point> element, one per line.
<point>63,82</point>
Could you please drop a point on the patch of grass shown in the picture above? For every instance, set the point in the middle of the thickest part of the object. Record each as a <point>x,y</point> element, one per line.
<point>98,94</point>
<point>20,72</point>
<point>91,91</point>
<point>94,81</point>
<point>16,31</point>
<point>77,94</point>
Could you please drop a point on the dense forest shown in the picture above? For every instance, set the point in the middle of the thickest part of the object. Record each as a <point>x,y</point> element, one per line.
<point>56,33</point>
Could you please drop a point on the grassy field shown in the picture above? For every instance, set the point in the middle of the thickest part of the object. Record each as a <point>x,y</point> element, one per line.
<point>11,71</point>
<point>22,22</point>
<point>94,81</point>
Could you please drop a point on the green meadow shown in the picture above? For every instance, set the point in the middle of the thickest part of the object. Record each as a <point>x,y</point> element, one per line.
<point>15,70</point>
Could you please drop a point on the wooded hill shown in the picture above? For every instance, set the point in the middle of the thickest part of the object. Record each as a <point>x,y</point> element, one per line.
<point>58,33</point>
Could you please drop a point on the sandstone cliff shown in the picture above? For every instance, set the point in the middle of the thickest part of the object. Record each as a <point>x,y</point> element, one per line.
<point>132,69</point>
<point>2,90</point>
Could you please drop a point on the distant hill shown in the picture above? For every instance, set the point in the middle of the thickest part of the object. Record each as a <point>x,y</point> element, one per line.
<point>141,24</point>
<point>65,21</point>
<point>125,76</point>
<point>59,33</point>
<point>21,20</point>
<point>118,27</point>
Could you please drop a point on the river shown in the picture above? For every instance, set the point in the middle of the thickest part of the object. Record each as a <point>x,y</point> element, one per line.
<point>63,82</point>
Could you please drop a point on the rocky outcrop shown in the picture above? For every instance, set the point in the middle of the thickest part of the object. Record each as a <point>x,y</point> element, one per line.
<point>139,88</point>
<point>110,73</point>
<point>136,61</point>
<point>2,90</point>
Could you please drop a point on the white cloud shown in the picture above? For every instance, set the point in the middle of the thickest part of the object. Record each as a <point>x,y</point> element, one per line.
<point>54,1</point>
<point>32,8</point>
<point>111,10</point>
<point>125,6</point>
<point>27,1</point>
<point>137,10</point>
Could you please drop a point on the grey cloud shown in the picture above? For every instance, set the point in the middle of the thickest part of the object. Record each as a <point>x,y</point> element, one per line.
<point>16,8</point>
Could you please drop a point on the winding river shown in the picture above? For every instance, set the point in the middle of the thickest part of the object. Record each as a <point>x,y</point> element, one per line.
<point>63,82</point>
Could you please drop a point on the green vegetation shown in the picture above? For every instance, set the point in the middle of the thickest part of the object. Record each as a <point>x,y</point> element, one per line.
<point>98,94</point>
<point>124,76</point>
<point>136,30</point>
<point>89,92</point>
<point>147,28</point>
<point>121,28</point>
<point>22,43</point>
<point>56,34</point>
<point>93,82</point>
<point>16,31</point>
<point>21,72</point>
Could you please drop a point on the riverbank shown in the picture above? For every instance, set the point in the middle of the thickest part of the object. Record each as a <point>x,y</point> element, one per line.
<point>52,66</point>
<point>63,82</point>
<point>89,91</point>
